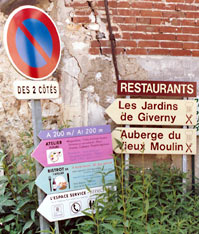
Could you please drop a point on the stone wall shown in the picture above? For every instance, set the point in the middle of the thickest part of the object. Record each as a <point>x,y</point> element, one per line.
<point>86,73</point>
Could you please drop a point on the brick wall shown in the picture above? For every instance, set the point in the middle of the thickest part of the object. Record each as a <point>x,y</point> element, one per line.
<point>169,27</point>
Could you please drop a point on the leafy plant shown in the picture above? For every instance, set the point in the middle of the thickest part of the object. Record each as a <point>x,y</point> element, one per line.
<point>18,197</point>
<point>65,124</point>
<point>153,201</point>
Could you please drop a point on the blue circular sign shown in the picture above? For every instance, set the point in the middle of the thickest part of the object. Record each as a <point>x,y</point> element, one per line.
<point>32,42</point>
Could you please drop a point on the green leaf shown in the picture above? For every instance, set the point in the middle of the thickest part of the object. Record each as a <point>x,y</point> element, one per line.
<point>88,188</point>
<point>3,178</point>
<point>30,150</point>
<point>126,223</point>
<point>22,188</point>
<point>7,203</point>
<point>9,218</point>
<point>119,144</point>
<point>7,228</point>
<point>2,157</point>
<point>3,188</point>
<point>138,214</point>
<point>146,205</point>
<point>24,177</point>
<point>31,186</point>
<point>114,217</point>
<point>22,203</point>
<point>88,222</point>
<point>27,225</point>
<point>16,212</point>
<point>32,215</point>
<point>110,227</point>
<point>148,229</point>
<point>30,232</point>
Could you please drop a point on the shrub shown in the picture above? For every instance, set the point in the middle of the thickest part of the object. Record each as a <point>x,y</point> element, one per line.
<point>153,201</point>
<point>18,197</point>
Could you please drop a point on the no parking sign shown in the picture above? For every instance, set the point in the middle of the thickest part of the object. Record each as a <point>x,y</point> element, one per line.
<point>32,42</point>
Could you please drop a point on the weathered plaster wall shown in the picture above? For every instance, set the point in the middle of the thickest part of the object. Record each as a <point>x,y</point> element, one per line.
<point>87,82</point>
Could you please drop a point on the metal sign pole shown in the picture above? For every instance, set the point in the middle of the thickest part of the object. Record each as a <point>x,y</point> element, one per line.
<point>37,127</point>
<point>56,227</point>
<point>184,169</point>
<point>127,159</point>
<point>184,162</point>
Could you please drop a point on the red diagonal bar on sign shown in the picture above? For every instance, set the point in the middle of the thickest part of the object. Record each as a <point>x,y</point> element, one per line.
<point>35,43</point>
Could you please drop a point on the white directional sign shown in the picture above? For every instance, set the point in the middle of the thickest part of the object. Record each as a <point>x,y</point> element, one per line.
<point>36,89</point>
<point>69,204</point>
<point>153,112</point>
<point>154,140</point>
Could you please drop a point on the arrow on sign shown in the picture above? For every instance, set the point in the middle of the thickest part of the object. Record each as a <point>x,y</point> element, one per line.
<point>68,205</point>
<point>153,112</point>
<point>154,140</point>
<point>75,176</point>
<point>74,132</point>
<point>72,150</point>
